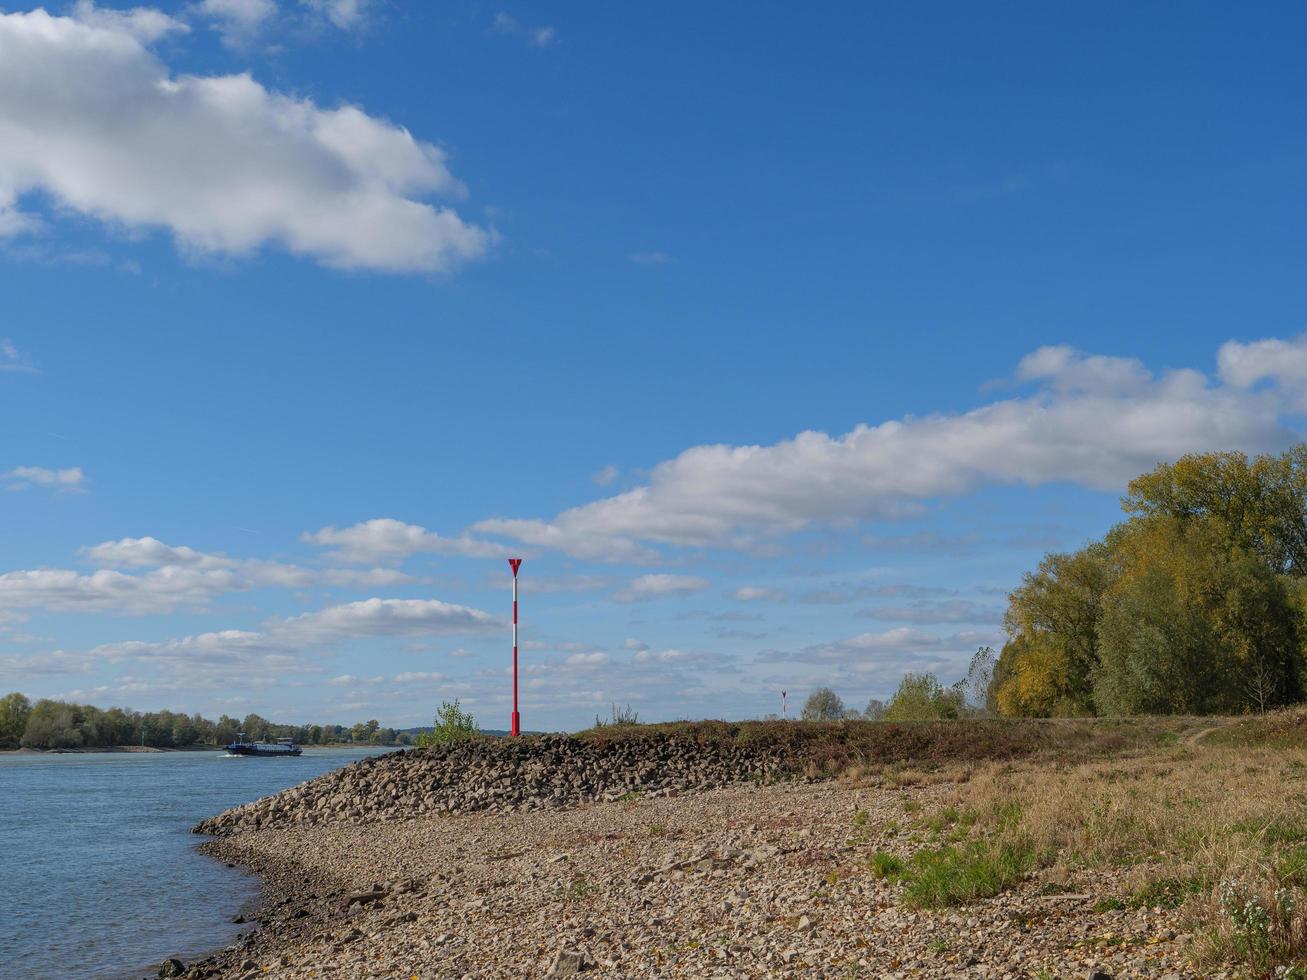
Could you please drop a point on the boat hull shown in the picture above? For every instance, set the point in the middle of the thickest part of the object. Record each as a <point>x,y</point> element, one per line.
<point>264,751</point>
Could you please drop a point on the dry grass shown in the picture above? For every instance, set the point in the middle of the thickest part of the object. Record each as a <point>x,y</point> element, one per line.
<point>1216,825</point>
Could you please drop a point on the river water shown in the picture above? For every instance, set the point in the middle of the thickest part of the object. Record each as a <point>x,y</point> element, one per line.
<point>99,877</point>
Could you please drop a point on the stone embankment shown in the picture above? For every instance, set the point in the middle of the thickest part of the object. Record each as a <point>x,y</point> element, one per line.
<point>533,773</point>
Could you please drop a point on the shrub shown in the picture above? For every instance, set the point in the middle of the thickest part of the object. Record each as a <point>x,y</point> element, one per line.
<point>452,724</point>
<point>921,698</point>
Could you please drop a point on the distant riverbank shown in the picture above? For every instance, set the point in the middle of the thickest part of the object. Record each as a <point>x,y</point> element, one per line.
<point>111,748</point>
<point>185,748</point>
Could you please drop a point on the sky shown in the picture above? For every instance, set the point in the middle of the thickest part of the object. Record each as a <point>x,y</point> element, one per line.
<point>778,342</point>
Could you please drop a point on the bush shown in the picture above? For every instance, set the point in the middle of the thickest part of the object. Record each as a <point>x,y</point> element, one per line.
<point>452,724</point>
<point>921,698</point>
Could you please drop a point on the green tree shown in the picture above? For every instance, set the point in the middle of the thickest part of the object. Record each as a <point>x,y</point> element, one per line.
<point>452,724</point>
<point>14,709</point>
<point>1047,666</point>
<point>823,704</point>
<point>920,697</point>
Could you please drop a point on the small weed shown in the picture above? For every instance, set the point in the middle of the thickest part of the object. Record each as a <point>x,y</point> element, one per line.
<point>575,890</point>
<point>1108,905</point>
<point>941,945</point>
<point>861,818</point>
<point>886,866</point>
<point>630,796</point>
<point>964,873</point>
<point>911,806</point>
<point>657,829</point>
<point>1167,893</point>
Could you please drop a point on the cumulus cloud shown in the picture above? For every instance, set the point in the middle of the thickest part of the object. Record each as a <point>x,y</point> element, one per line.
<point>71,480</point>
<point>1092,421</point>
<point>92,118</point>
<point>660,586</point>
<point>238,21</point>
<point>106,590</point>
<point>150,552</point>
<point>1281,362</point>
<point>384,539</point>
<point>145,24</point>
<point>282,641</point>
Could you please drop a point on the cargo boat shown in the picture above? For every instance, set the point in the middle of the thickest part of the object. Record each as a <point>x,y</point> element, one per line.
<point>283,746</point>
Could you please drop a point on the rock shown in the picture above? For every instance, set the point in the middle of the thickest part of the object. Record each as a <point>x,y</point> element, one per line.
<point>567,963</point>
<point>172,968</point>
<point>1096,974</point>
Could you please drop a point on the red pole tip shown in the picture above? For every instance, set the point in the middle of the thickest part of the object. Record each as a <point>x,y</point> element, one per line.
<point>515,564</point>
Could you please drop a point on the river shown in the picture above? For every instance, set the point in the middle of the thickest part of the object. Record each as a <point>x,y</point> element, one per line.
<point>98,870</point>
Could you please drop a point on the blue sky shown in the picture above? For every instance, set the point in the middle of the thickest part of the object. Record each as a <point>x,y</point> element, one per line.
<point>778,343</point>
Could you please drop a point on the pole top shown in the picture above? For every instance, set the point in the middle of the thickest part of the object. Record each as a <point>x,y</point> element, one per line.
<point>515,564</point>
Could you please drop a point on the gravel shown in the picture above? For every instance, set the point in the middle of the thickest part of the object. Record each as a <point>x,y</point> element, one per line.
<point>736,881</point>
<point>533,773</point>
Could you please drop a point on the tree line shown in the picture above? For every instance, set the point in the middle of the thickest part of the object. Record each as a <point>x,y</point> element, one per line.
<point>49,724</point>
<point>1195,604</point>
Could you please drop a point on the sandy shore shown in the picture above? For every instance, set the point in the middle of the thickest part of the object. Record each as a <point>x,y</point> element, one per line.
<point>748,881</point>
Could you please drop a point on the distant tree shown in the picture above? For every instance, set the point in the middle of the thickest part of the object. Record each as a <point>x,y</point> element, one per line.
<point>452,724</point>
<point>920,697</point>
<point>823,704</point>
<point>53,725</point>
<point>14,709</point>
<point>875,710</point>
<point>979,683</point>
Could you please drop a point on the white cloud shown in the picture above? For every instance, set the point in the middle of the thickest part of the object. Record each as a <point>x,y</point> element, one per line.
<point>238,21</point>
<point>597,659</point>
<point>539,37</point>
<point>758,593</point>
<point>384,539</point>
<point>1283,362</point>
<point>149,552</point>
<point>145,24</point>
<point>636,645</point>
<point>606,476</point>
<point>281,642</point>
<point>91,118</point>
<point>71,480</point>
<point>418,677</point>
<point>660,586</point>
<point>1094,421</point>
<point>62,590</point>
<point>345,14</point>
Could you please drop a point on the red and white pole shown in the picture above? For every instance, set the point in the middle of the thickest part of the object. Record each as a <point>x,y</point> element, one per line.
<point>515,564</point>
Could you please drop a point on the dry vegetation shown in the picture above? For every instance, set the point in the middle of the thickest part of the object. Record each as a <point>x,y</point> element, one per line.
<point>1213,822</point>
<point>824,749</point>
